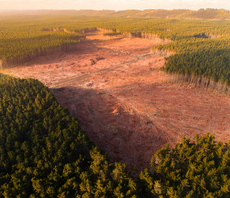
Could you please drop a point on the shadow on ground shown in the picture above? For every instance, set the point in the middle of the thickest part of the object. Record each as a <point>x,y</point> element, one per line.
<point>117,129</point>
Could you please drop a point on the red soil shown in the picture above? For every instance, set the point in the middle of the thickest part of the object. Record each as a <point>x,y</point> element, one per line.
<point>125,104</point>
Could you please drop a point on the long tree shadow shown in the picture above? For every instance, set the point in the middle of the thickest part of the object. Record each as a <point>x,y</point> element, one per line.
<point>114,127</point>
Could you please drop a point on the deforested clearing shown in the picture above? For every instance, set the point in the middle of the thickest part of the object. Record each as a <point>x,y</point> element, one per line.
<point>125,103</point>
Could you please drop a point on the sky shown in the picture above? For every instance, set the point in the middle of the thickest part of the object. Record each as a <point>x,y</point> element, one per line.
<point>112,4</point>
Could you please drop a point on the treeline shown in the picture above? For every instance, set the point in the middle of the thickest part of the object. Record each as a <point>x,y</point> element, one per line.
<point>209,59</point>
<point>218,14</point>
<point>24,34</point>
<point>44,153</point>
<point>11,62</point>
<point>211,64</point>
<point>21,36</point>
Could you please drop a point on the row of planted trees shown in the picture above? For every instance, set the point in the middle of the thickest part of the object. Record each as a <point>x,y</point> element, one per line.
<point>44,153</point>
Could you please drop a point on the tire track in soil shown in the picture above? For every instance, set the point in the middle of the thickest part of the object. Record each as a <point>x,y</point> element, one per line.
<point>80,80</point>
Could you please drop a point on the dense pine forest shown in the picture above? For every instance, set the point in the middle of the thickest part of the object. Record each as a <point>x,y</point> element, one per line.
<point>23,36</point>
<point>44,153</point>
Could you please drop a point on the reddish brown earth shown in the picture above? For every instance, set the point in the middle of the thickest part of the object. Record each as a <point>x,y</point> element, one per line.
<point>125,104</point>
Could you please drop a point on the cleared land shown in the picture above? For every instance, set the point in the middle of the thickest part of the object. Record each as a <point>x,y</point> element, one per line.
<point>126,105</point>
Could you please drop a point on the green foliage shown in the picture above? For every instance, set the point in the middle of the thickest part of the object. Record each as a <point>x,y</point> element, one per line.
<point>20,36</point>
<point>198,168</point>
<point>212,64</point>
<point>44,153</point>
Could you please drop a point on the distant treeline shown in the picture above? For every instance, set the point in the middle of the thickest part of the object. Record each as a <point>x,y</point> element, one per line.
<point>218,14</point>
<point>25,34</point>
<point>44,153</point>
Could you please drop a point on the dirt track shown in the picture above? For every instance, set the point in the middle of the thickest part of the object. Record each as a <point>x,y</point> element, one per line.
<point>126,105</point>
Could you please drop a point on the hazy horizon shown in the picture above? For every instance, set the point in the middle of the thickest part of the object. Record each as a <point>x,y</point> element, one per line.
<point>112,4</point>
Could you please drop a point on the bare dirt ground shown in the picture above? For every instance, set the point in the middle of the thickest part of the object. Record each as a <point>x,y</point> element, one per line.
<point>127,106</point>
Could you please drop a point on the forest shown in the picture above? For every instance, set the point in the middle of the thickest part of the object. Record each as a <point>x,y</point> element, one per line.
<point>216,14</point>
<point>44,153</point>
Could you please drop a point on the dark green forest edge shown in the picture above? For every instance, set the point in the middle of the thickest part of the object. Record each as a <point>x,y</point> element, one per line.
<point>44,153</point>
